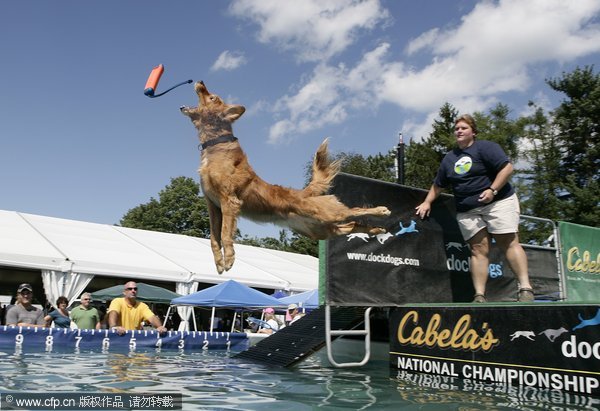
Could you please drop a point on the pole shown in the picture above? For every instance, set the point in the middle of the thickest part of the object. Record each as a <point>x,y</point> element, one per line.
<point>400,160</point>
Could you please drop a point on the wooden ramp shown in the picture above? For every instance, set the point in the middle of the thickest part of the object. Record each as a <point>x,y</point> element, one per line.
<point>296,342</point>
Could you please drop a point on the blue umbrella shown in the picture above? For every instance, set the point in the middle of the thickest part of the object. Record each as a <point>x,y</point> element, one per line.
<point>279,294</point>
<point>229,294</point>
<point>307,299</point>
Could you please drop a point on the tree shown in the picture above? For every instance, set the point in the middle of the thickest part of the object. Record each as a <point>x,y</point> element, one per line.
<point>423,159</point>
<point>578,130</point>
<point>539,183</point>
<point>179,210</point>
<point>378,166</point>
<point>441,139</point>
<point>497,127</point>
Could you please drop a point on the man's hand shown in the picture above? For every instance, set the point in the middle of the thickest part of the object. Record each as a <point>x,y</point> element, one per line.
<point>120,330</point>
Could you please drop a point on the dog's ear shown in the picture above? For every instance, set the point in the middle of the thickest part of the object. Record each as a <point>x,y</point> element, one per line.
<point>233,112</point>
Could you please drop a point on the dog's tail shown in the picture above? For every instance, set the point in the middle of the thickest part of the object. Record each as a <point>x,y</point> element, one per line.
<point>323,172</point>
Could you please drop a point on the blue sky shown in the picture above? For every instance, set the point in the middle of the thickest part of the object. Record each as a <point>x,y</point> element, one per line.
<point>81,141</point>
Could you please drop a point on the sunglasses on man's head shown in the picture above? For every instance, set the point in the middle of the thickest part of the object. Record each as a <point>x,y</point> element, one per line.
<point>131,288</point>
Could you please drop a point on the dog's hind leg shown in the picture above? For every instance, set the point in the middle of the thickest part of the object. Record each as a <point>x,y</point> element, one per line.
<point>216,221</point>
<point>230,209</point>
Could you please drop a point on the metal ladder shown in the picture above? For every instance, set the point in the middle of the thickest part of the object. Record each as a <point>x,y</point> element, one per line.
<point>366,332</point>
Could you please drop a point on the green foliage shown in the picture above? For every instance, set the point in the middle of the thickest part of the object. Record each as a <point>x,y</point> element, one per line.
<point>538,184</point>
<point>423,159</point>
<point>441,139</point>
<point>421,164</point>
<point>577,125</point>
<point>179,210</point>
<point>497,127</point>
<point>379,166</point>
<point>287,241</point>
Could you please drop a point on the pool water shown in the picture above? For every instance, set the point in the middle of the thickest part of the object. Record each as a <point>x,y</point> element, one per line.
<point>214,380</point>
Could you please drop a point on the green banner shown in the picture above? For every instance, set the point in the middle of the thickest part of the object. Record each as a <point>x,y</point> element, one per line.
<point>581,261</point>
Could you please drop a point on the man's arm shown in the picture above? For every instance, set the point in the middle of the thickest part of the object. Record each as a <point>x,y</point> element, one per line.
<point>113,321</point>
<point>155,321</point>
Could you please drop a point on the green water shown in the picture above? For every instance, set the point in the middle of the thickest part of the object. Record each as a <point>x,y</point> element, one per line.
<point>213,380</point>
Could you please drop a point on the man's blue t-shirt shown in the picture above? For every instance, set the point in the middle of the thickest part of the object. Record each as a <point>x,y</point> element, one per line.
<point>470,171</point>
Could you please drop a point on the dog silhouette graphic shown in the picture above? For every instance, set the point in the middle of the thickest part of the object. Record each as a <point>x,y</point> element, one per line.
<point>412,228</point>
<point>553,334</point>
<point>587,323</point>
<point>362,236</point>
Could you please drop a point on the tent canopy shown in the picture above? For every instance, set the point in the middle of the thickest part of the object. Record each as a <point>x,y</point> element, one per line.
<point>229,294</point>
<point>307,299</point>
<point>47,243</point>
<point>146,293</point>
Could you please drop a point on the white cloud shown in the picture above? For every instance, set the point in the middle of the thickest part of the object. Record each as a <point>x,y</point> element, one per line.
<point>229,60</point>
<point>492,51</point>
<point>425,40</point>
<point>313,29</point>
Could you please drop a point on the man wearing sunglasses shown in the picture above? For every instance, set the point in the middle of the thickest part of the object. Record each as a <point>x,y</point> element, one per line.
<point>85,316</point>
<point>128,314</point>
<point>23,313</point>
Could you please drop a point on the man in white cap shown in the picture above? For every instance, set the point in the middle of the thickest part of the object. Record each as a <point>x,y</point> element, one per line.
<point>293,313</point>
<point>23,313</point>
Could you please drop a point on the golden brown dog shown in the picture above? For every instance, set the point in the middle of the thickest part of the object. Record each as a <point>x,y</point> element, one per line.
<point>231,186</point>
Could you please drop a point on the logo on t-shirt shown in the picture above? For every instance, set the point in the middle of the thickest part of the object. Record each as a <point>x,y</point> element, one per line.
<point>463,165</point>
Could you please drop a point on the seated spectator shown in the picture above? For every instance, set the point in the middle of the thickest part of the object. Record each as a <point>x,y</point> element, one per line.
<point>272,321</point>
<point>293,313</point>
<point>59,316</point>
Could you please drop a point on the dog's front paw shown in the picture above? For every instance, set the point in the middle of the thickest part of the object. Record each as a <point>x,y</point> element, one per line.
<point>382,211</point>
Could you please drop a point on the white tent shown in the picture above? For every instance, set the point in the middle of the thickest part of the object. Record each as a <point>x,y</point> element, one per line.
<point>62,247</point>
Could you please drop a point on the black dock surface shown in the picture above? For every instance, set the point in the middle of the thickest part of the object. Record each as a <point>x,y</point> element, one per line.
<point>293,343</point>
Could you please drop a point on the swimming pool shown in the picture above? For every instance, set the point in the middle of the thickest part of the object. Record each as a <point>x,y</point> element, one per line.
<point>214,380</point>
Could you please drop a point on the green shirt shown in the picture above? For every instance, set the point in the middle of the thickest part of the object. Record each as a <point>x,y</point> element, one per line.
<point>85,319</point>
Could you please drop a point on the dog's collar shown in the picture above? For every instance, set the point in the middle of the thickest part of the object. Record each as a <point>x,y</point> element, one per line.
<point>227,138</point>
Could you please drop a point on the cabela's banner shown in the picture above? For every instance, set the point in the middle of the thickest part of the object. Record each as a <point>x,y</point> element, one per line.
<point>549,346</point>
<point>416,261</point>
<point>581,261</point>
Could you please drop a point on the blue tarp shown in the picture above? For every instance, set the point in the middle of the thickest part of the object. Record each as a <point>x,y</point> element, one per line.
<point>307,299</point>
<point>229,294</point>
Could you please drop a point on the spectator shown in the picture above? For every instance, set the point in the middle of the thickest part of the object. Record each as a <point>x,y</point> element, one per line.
<point>293,313</point>
<point>127,313</point>
<point>23,313</point>
<point>84,315</point>
<point>59,317</point>
<point>273,324</point>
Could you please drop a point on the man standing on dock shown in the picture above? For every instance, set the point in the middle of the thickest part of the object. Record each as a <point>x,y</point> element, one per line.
<point>127,313</point>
